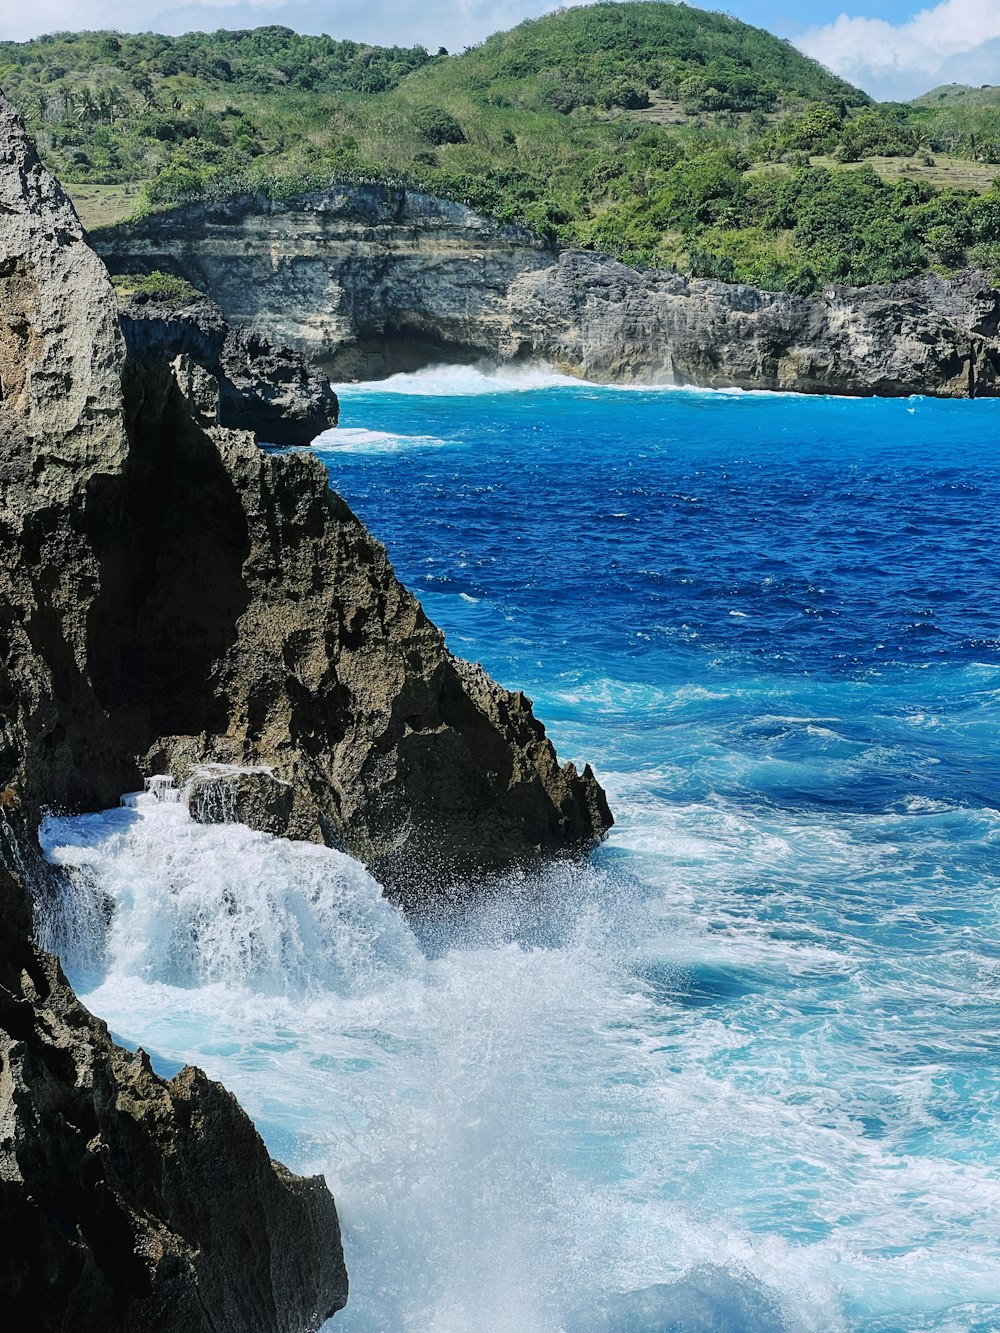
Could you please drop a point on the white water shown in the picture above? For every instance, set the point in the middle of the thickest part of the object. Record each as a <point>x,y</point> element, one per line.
<point>524,1132</point>
<point>357,440</point>
<point>465,381</point>
<point>476,381</point>
<point>489,1107</point>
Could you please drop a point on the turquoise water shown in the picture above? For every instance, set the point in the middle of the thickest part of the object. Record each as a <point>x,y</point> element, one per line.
<point>742,1072</point>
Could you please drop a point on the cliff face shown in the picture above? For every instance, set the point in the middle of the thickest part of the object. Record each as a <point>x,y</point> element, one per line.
<point>126,1202</point>
<point>592,315</point>
<point>261,624</point>
<point>363,280</point>
<point>366,281</point>
<point>174,595</point>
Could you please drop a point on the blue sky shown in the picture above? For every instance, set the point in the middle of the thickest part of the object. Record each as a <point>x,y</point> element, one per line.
<point>892,48</point>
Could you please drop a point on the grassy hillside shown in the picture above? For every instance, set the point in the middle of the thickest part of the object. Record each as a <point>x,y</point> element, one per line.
<point>661,133</point>
<point>960,94</point>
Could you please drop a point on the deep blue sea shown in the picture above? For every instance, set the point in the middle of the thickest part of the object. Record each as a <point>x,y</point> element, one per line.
<point>741,1074</point>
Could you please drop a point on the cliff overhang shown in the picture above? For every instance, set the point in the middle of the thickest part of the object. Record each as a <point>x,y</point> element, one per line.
<point>366,281</point>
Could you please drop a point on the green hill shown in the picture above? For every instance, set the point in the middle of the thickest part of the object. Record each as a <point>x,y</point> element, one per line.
<point>661,133</point>
<point>960,94</point>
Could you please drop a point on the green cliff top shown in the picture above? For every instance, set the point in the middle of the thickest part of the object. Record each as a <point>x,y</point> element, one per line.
<point>661,133</point>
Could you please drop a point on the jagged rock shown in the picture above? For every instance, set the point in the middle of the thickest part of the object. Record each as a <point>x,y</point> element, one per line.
<point>303,653</point>
<point>218,604</point>
<point>592,315</point>
<point>255,386</point>
<point>368,281</point>
<point>131,1203</point>
<point>125,1202</point>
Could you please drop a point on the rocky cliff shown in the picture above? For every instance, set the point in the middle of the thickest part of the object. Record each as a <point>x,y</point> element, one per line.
<point>367,281</point>
<point>364,280</point>
<point>126,1202</point>
<point>175,595</point>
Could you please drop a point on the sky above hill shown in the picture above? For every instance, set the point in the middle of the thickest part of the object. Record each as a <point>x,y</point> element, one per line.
<point>892,48</point>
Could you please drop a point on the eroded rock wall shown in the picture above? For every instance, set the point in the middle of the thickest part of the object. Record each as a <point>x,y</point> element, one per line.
<point>596,317</point>
<point>261,387</point>
<point>367,281</point>
<point>271,630</point>
<point>364,280</point>
<point>126,1202</point>
<point>174,595</point>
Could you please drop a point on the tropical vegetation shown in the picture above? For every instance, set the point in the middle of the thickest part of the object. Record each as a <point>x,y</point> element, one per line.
<point>660,133</point>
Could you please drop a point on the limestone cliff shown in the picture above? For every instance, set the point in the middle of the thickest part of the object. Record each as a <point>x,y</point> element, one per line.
<point>364,280</point>
<point>609,322</point>
<point>126,1202</point>
<point>174,594</point>
<point>367,281</point>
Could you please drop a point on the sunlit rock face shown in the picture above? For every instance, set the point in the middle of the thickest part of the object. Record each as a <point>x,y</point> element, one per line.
<point>368,281</point>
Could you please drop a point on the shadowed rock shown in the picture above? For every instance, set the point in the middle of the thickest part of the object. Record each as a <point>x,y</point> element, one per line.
<point>255,386</point>
<point>129,1202</point>
<point>255,797</point>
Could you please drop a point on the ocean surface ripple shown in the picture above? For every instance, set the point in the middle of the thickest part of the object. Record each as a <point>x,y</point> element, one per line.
<point>740,1073</point>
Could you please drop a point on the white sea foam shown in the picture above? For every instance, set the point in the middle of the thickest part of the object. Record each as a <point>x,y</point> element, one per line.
<point>357,440</point>
<point>157,896</point>
<point>587,1100</point>
<point>461,381</point>
<point>455,381</point>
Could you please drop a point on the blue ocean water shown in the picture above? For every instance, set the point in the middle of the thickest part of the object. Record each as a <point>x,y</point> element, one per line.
<point>741,1073</point>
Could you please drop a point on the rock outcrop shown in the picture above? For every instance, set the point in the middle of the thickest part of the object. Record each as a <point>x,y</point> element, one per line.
<point>174,597</point>
<point>126,1202</point>
<point>131,1203</point>
<point>366,281</point>
<point>260,387</point>
<point>262,625</point>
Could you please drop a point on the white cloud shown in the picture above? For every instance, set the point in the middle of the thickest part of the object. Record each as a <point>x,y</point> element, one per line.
<point>953,41</point>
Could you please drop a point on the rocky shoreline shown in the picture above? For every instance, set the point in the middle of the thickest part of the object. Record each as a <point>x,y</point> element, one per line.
<point>366,281</point>
<point>176,597</point>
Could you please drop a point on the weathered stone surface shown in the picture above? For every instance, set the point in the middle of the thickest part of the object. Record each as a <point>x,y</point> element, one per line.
<point>594,316</point>
<point>367,281</point>
<point>131,1203</point>
<point>125,1202</point>
<point>254,385</point>
<point>364,280</point>
<point>255,797</point>
<point>302,652</point>
<point>60,347</point>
